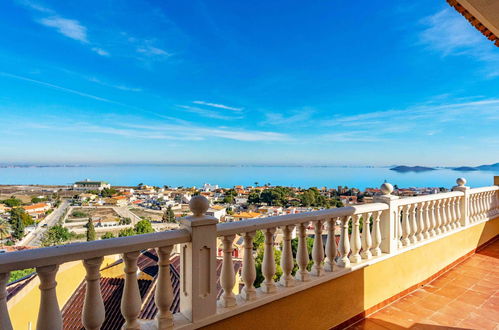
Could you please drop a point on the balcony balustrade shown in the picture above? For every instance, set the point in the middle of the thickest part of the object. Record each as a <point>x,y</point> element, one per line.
<point>368,233</point>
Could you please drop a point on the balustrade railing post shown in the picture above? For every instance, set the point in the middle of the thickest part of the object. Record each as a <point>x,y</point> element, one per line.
<point>302,258</point>
<point>389,221</point>
<point>249,272</point>
<point>93,314</point>
<point>227,276</point>
<point>198,282</point>
<point>163,297</point>
<point>464,201</point>
<point>268,265</point>
<point>287,279</point>
<point>49,314</point>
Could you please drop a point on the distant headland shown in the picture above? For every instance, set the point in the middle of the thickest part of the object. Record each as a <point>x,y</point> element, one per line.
<point>492,167</point>
<point>403,168</point>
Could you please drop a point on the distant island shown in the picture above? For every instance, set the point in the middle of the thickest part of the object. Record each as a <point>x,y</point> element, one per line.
<point>492,167</point>
<point>412,169</point>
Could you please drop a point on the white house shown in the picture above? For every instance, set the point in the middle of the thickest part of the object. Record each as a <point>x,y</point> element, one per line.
<point>91,185</point>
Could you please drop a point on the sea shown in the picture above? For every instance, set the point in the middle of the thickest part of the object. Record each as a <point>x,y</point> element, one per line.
<point>229,176</point>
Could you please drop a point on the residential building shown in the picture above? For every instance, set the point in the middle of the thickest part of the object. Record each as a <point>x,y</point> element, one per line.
<point>91,185</point>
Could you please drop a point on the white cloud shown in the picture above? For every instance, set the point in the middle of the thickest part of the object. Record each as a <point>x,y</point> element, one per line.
<point>448,33</point>
<point>36,6</point>
<point>207,113</point>
<point>120,87</point>
<point>354,136</point>
<point>101,51</point>
<point>68,27</point>
<point>184,132</point>
<point>273,118</point>
<point>435,113</point>
<point>217,105</point>
<point>152,51</point>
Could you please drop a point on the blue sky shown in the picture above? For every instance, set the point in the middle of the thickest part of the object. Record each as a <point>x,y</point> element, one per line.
<point>233,82</point>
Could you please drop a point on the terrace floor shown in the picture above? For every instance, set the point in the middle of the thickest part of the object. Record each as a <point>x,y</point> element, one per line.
<point>465,297</point>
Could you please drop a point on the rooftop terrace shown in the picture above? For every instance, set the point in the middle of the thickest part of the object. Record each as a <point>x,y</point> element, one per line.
<point>466,296</point>
<point>385,251</point>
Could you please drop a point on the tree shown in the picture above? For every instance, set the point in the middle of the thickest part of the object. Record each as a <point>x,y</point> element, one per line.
<point>126,232</point>
<point>108,192</point>
<point>4,229</point>
<point>143,227</point>
<point>254,198</point>
<point>107,235</point>
<point>18,274</point>
<point>37,200</point>
<point>18,212</point>
<point>90,231</point>
<point>56,235</point>
<point>17,223</point>
<point>125,221</point>
<point>12,202</point>
<point>169,215</point>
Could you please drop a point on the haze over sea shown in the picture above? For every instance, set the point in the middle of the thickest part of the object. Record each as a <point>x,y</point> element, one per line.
<point>228,176</point>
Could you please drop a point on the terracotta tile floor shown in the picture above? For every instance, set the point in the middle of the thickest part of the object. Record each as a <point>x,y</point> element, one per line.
<point>465,297</point>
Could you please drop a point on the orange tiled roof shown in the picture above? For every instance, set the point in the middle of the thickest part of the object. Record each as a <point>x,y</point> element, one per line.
<point>35,206</point>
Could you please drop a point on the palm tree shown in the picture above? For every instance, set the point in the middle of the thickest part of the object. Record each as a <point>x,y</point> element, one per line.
<point>4,229</point>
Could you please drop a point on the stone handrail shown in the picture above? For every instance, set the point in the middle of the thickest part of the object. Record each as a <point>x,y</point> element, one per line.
<point>368,233</point>
<point>237,227</point>
<point>483,189</point>
<point>427,198</point>
<point>81,251</point>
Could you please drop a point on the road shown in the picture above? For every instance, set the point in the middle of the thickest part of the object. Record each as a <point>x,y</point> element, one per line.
<point>33,239</point>
<point>125,212</point>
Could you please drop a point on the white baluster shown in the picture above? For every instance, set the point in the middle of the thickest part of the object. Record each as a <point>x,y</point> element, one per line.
<point>268,265</point>
<point>438,219</point>
<point>49,315</point>
<point>399,219</point>
<point>473,208</point>
<point>480,206</point>
<point>130,300</point>
<point>344,243</point>
<point>227,276</point>
<point>454,206</point>
<point>406,225</point>
<point>420,221</point>
<point>432,217</point>
<point>458,211</point>
<point>366,237</point>
<point>426,218</point>
<point>317,250</point>
<point>4,312</point>
<point>488,204</point>
<point>331,250</point>
<point>414,224</point>
<point>93,314</point>
<point>302,257</point>
<point>163,297</point>
<point>443,213</point>
<point>483,205</point>
<point>248,275</point>
<point>287,279</point>
<point>448,213</point>
<point>376,234</point>
<point>355,241</point>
